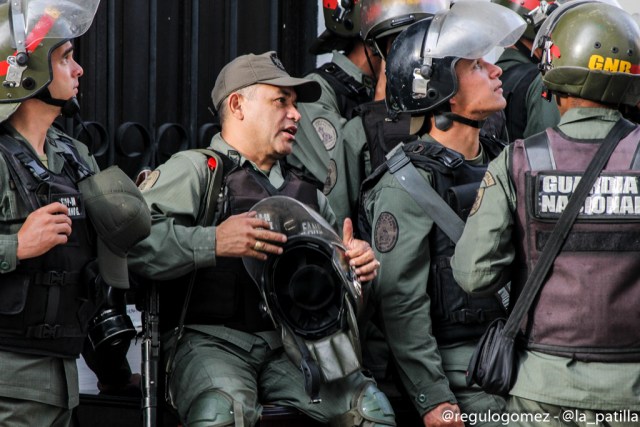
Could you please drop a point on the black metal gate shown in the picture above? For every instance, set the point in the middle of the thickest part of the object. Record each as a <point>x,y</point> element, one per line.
<point>150,65</point>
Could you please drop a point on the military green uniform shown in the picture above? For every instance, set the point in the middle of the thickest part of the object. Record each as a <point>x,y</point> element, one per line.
<point>545,383</point>
<point>247,368</point>
<point>541,114</point>
<point>431,374</point>
<point>332,148</point>
<point>39,390</point>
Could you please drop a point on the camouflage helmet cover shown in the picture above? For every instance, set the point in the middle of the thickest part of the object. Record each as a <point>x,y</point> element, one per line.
<point>592,51</point>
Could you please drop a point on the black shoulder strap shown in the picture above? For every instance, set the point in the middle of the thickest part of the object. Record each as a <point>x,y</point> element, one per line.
<point>562,228</point>
<point>205,217</point>
<point>349,91</point>
<point>427,198</point>
<point>72,157</point>
<point>214,184</point>
<point>26,177</point>
<point>539,153</point>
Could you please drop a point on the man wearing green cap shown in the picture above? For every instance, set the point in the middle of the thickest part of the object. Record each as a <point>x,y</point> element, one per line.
<point>230,358</point>
<point>49,245</point>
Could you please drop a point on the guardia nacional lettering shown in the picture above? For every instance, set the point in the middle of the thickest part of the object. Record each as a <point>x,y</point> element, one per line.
<point>617,195</point>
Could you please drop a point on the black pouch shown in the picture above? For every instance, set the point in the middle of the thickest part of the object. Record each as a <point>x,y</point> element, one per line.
<point>13,294</point>
<point>494,361</point>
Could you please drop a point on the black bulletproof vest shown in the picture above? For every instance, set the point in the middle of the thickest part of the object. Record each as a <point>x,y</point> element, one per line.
<point>226,294</point>
<point>349,92</point>
<point>456,316</point>
<point>383,132</point>
<point>47,301</point>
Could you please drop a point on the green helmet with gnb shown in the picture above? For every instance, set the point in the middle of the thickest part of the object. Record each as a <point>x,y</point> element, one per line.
<point>32,29</point>
<point>592,51</point>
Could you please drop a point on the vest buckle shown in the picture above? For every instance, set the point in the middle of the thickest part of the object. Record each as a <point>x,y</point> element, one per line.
<point>44,331</point>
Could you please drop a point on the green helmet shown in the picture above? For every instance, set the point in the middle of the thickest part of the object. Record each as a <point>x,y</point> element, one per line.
<point>591,49</point>
<point>381,18</point>
<point>533,11</point>
<point>32,30</point>
<point>342,22</point>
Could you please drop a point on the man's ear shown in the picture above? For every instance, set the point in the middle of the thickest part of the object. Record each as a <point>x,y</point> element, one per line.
<point>235,101</point>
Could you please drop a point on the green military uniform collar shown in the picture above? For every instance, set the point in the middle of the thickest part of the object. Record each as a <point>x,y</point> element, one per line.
<point>572,123</point>
<point>275,175</point>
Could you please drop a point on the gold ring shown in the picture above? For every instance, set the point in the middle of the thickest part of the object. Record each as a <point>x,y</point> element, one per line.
<point>258,246</point>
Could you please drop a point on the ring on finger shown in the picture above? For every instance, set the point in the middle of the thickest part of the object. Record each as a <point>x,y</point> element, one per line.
<point>258,246</point>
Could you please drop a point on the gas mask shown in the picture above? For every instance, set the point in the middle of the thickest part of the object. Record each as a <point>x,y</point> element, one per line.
<point>112,330</point>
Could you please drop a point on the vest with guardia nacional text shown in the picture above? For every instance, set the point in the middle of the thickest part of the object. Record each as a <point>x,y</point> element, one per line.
<point>587,307</point>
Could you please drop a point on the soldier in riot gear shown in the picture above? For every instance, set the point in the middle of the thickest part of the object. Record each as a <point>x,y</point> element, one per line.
<point>529,106</point>
<point>229,357</point>
<point>578,349</point>
<point>66,227</point>
<point>414,204</point>
<point>330,144</point>
<point>382,21</point>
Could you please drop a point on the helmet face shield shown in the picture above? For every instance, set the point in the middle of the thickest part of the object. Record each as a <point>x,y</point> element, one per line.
<point>420,68</point>
<point>64,19</point>
<point>309,284</point>
<point>471,30</point>
<point>29,31</point>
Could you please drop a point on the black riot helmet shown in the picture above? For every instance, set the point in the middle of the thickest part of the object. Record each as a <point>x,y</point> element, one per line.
<point>420,67</point>
<point>307,287</point>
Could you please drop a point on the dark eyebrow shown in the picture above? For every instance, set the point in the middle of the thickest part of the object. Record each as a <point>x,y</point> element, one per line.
<point>66,52</point>
<point>286,92</point>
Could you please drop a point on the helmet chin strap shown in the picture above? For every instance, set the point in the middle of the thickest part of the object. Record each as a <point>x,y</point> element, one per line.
<point>444,121</point>
<point>69,107</point>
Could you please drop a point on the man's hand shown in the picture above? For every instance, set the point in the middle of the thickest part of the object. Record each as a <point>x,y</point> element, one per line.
<point>43,229</point>
<point>445,414</point>
<point>360,254</point>
<point>245,235</point>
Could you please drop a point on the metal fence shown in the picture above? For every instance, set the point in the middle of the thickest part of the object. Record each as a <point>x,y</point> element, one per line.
<point>150,65</point>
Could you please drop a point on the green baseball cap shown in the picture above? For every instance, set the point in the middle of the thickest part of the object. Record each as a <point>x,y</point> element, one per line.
<point>120,217</point>
<point>266,68</point>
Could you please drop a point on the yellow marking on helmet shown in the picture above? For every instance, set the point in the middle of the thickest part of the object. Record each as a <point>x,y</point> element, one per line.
<point>598,62</point>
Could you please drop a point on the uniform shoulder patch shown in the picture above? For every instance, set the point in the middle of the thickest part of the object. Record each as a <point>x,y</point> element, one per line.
<point>327,133</point>
<point>332,177</point>
<point>385,234</point>
<point>149,181</point>
<point>487,181</point>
